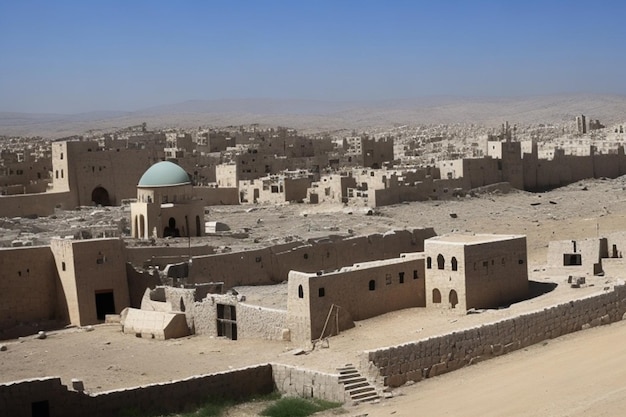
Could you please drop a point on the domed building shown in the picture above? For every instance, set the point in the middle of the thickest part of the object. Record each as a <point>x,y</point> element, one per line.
<point>166,205</point>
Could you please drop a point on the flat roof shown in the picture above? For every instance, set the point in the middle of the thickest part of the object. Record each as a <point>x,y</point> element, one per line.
<point>471,239</point>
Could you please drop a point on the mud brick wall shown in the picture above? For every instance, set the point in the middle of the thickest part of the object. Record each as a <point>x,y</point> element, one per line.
<point>426,358</point>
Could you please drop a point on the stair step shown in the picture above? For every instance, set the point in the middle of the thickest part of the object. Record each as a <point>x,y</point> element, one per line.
<point>348,371</point>
<point>365,395</point>
<point>362,390</point>
<point>354,385</point>
<point>352,380</point>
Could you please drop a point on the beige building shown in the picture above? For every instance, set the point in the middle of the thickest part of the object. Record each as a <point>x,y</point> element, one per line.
<point>467,271</point>
<point>166,205</point>
<point>324,303</point>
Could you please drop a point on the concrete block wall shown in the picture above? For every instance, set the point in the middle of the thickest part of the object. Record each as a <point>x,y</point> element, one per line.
<point>396,365</point>
<point>17,398</point>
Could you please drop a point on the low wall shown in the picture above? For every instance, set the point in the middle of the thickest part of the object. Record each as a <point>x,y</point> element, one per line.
<point>440,354</point>
<point>21,398</point>
<point>298,382</point>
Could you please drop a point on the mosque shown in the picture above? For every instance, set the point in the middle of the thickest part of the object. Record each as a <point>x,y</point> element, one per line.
<point>166,205</point>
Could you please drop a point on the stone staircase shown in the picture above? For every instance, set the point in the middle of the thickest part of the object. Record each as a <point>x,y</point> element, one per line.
<point>357,386</point>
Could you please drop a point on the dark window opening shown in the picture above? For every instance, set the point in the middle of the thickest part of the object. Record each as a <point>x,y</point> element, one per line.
<point>300,292</point>
<point>572,259</point>
<point>306,256</point>
<point>429,262</point>
<point>441,263</point>
<point>436,296</point>
<point>415,274</point>
<point>455,264</point>
<point>372,285</point>
<point>321,292</point>
<point>63,266</point>
<point>401,277</point>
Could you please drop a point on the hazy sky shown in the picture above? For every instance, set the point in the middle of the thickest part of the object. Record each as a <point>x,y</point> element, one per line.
<point>76,56</point>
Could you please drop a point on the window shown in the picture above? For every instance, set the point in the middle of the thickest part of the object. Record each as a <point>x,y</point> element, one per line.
<point>372,285</point>
<point>63,266</point>
<point>300,292</point>
<point>429,262</point>
<point>306,256</point>
<point>454,264</point>
<point>401,277</point>
<point>440,262</point>
<point>321,292</point>
<point>436,296</point>
<point>415,274</point>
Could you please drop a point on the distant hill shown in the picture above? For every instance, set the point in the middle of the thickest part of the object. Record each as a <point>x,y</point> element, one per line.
<point>315,115</point>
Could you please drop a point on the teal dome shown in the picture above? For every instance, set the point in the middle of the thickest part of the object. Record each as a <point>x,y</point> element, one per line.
<point>164,174</point>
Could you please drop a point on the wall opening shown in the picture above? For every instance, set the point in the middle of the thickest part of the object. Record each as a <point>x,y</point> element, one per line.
<point>436,296</point>
<point>100,197</point>
<point>401,277</point>
<point>372,285</point>
<point>321,292</point>
<point>105,304</point>
<point>227,321</point>
<point>415,276</point>
<point>441,262</point>
<point>198,228</point>
<point>455,264</point>
<point>453,298</point>
<point>171,229</point>
<point>300,292</point>
<point>429,262</point>
<point>572,259</point>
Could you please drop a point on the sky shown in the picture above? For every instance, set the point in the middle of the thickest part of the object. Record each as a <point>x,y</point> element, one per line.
<point>79,56</point>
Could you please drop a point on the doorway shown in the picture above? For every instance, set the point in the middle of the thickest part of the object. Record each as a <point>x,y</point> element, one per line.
<point>227,321</point>
<point>100,197</point>
<point>105,304</point>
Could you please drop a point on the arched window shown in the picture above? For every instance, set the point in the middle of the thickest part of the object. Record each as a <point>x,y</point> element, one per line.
<point>372,285</point>
<point>300,292</point>
<point>454,263</point>
<point>436,296</point>
<point>453,298</point>
<point>429,262</point>
<point>440,262</point>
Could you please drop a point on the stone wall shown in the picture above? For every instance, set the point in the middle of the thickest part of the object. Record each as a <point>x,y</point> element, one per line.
<point>19,398</point>
<point>298,382</point>
<point>414,361</point>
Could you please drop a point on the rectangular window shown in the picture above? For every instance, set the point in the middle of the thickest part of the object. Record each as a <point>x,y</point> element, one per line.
<point>401,277</point>
<point>415,274</point>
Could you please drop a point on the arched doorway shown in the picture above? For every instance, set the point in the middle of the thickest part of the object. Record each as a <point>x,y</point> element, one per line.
<point>453,298</point>
<point>171,229</point>
<point>100,197</point>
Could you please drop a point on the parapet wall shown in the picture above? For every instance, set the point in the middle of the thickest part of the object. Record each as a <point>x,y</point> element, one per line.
<point>20,398</point>
<point>414,361</point>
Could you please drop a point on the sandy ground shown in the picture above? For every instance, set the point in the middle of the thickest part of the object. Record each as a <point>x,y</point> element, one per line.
<point>106,359</point>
